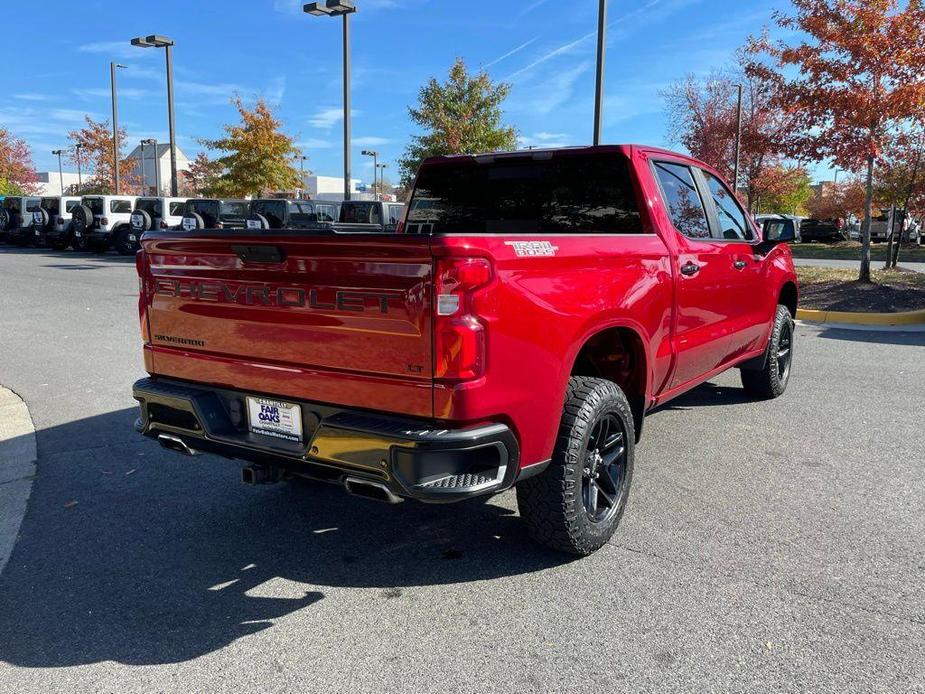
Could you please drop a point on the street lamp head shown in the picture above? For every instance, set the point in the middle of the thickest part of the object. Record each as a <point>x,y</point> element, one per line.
<point>119,65</point>
<point>159,41</point>
<point>141,43</point>
<point>148,142</point>
<point>333,8</point>
<point>370,153</point>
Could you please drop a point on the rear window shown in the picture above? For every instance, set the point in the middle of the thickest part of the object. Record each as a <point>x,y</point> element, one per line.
<point>564,194</point>
<point>150,206</point>
<point>51,204</point>
<point>70,205</point>
<point>273,210</point>
<point>203,206</point>
<point>360,213</point>
<point>234,209</point>
<point>176,208</point>
<point>95,204</point>
<point>120,206</point>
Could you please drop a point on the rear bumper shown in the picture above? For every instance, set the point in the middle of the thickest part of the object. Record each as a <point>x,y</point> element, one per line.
<point>411,457</point>
<point>24,234</point>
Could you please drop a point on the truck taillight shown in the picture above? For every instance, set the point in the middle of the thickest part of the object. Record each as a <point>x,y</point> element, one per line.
<point>163,224</point>
<point>459,336</point>
<point>59,220</point>
<point>104,221</point>
<point>141,267</point>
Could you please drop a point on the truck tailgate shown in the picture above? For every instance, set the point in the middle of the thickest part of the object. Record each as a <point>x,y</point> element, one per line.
<point>339,320</point>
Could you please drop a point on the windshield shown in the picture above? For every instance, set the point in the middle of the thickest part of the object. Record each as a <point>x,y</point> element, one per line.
<point>565,193</point>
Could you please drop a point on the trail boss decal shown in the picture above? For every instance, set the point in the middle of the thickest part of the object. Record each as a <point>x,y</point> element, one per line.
<point>532,249</point>
<point>295,297</point>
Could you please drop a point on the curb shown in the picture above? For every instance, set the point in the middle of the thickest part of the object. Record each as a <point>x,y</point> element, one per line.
<point>17,468</point>
<point>856,318</point>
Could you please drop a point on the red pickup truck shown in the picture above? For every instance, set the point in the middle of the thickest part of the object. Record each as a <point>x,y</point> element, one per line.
<point>534,306</point>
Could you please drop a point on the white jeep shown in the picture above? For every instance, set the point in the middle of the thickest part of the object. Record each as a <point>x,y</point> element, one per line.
<point>100,220</point>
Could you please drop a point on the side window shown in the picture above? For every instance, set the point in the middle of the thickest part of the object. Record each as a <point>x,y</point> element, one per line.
<point>33,204</point>
<point>70,205</point>
<point>682,199</point>
<point>733,222</point>
<point>120,206</point>
<point>176,208</point>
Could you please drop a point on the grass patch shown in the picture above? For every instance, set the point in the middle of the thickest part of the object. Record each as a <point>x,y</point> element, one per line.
<point>851,250</point>
<point>834,289</point>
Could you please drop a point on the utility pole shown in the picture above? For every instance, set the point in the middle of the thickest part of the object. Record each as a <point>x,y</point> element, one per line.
<point>59,152</point>
<point>735,171</point>
<point>80,183</point>
<point>599,86</point>
<point>115,126</point>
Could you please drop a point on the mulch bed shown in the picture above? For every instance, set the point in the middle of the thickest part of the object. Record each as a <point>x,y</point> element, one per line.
<point>840,295</point>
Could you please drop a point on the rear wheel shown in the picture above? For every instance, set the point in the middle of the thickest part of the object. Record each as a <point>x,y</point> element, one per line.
<point>771,380</point>
<point>576,504</point>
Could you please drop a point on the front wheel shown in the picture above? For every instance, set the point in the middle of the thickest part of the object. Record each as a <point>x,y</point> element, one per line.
<point>770,381</point>
<point>576,504</point>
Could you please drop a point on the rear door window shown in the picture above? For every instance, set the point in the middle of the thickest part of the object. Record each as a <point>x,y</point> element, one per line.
<point>234,209</point>
<point>149,206</point>
<point>176,208</point>
<point>95,204</point>
<point>33,204</point>
<point>682,199</point>
<point>733,222</point>
<point>561,194</point>
<point>120,206</point>
<point>70,205</point>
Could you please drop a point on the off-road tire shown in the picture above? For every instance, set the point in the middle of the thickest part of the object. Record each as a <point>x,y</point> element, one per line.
<point>770,381</point>
<point>121,242</point>
<point>551,503</point>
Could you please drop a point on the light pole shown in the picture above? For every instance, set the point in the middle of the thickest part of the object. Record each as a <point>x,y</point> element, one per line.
<point>157,164</point>
<point>340,8</point>
<point>382,168</point>
<point>115,126</point>
<point>375,155</point>
<point>157,41</point>
<point>59,152</point>
<point>144,180</point>
<point>80,183</point>
<point>735,170</point>
<point>302,159</point>
<point>599,86</point>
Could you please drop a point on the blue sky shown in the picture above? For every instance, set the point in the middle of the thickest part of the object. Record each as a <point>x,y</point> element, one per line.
<point>269,48</point>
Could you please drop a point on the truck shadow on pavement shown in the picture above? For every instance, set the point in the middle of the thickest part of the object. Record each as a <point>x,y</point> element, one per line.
<point>132,554</point>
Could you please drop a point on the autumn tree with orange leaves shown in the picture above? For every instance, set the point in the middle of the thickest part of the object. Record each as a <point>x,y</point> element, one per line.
<point>17,173</point>
<point>851,75</point>
<point>96,162</point>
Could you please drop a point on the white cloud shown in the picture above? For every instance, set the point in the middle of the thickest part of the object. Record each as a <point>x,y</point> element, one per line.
<point>92,93</point>
<point>117,49</point>
<point>316,143</point>
<point>32,97</point>
<point>545,140</point>
<point>512,52</point>
<point>370,141</point>
<point>327,118</point>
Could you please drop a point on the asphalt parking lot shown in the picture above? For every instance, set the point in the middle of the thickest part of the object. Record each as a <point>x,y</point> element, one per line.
<point>773,546</point>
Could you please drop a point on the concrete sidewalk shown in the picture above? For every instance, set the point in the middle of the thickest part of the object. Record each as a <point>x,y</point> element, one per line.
<point>17,468</point>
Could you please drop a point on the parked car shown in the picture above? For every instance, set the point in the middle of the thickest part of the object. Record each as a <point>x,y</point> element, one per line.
<point>100,221</point>
<point>557,297</point>
<point>151,213</point>
<point>52,221</point>
<point>880,225</point>
<point>823,230</point>
<point>209,213</point>
<point>291,214</point>
<point>366,216</point>
<point>16,218</point>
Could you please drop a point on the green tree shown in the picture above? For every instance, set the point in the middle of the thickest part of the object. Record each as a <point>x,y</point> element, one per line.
<point>259,157</point>
<point>460,116</point>
<point>783,189</point>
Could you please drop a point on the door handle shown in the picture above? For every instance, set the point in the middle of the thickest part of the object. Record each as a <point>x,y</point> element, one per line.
<point>739,264</point>
<point>690,269</point>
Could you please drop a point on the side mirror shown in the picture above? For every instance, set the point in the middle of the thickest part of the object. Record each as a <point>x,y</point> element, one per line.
<point>778,231</point>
